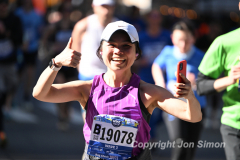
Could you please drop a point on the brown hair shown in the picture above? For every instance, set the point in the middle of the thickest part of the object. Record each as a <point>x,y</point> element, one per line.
<point>184,26</point>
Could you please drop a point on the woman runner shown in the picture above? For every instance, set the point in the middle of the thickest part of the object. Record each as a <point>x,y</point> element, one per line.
<point>118,103</point>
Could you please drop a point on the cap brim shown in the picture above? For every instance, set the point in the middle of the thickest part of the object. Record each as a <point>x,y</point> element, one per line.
<point>110,35</point>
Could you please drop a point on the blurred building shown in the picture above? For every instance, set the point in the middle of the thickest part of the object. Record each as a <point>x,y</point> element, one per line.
<point>213,7</point>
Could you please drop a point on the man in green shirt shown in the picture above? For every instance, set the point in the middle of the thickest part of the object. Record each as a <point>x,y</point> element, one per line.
<point>223,56</point>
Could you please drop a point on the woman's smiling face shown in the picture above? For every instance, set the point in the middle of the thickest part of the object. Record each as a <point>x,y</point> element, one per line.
<point>118,53</point>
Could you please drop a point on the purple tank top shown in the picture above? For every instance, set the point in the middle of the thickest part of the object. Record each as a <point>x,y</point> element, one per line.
<point>121,101</point>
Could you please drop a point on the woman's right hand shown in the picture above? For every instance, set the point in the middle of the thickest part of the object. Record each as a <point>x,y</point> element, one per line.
<point>68,57</point>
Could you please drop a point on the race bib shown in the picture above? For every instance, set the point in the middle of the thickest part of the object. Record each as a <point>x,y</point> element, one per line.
<point>112,137</point>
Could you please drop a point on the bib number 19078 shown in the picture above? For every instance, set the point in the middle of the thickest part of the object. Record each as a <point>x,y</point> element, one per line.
<point>108,134</point>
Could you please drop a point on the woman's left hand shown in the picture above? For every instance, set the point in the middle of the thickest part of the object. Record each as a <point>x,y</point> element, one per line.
<point>183,90</point>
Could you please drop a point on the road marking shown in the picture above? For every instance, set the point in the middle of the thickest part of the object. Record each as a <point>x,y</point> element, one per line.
<point>19,115</point>
<point>75,115</point>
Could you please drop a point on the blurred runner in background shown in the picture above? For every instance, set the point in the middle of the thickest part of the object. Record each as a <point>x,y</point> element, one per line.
<point>10,41</point>
<point>183,38</point>
<point>86,38</point>
<point>223,56</point>
<point>32,23</point>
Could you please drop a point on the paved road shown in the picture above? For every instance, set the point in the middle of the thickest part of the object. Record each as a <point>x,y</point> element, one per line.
<point>34,135</point>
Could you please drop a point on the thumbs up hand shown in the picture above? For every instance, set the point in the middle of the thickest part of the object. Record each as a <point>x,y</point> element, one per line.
<point>68,57</point>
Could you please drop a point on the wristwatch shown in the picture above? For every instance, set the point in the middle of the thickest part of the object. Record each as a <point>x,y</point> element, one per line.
<point>52,65</point>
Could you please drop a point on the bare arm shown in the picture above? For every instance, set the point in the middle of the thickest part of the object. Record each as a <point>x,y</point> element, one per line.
<point>158,76</point>
<point>190,111</point>
<point>77,34</point>
<point>206,85</point>
<point>45,90</point>
<point>155,96</point>
<point>222,83</point>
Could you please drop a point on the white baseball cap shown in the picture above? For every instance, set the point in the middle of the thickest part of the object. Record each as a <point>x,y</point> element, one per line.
<point>120,25</point>
<point>103,2</point>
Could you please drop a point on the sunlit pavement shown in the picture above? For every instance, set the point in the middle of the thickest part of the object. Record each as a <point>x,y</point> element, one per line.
<point>34,135</point>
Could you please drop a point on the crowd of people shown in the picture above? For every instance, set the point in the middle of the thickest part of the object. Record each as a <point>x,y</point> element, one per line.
<point>138,60</point>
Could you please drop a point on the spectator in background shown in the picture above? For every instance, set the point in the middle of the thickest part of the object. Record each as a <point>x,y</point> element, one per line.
<point>57,35</point>
<point>10,41</point>
<point>86,38</point>
<point>152,41</point>
<point>183,38</point>
<point>32,23</point>
<point>134,18</point>
<point>223,57</point>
